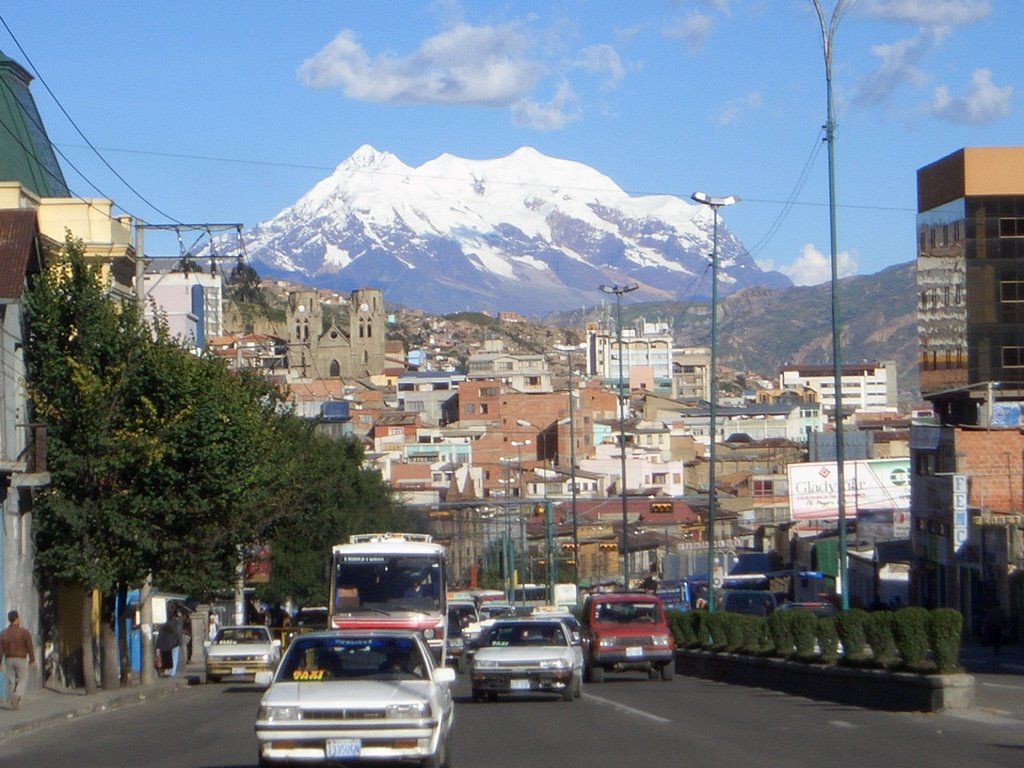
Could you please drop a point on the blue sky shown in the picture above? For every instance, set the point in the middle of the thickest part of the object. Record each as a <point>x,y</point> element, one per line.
<point>228,112</point>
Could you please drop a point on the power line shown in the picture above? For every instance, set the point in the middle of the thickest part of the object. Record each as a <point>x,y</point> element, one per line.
<point>78,130</point>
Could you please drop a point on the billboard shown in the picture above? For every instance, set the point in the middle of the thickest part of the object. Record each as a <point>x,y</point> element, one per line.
<point>869,484</point>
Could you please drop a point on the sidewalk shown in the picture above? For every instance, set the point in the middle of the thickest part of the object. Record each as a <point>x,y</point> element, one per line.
<point>46,706</point>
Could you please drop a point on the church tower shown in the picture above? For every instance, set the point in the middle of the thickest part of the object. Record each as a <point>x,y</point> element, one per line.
<point>366,331</point>
<point>305,324</point>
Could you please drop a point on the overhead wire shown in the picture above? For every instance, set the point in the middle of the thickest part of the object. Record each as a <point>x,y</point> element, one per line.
<point>79,131</point>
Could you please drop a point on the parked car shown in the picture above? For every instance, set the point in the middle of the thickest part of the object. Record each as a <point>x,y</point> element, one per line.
<point>752,602</point>
<point>626,631</point>
<point>241,651</point>
<point>527,655</point>
<point>357,695</point>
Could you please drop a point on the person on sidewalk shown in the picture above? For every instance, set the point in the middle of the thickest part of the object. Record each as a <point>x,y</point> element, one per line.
<point>18,655</point>
<point>168,643</point>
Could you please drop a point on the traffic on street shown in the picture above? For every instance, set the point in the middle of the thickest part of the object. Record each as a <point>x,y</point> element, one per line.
<point>623,721</point>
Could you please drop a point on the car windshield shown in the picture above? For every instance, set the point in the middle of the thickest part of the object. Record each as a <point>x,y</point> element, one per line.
<point>526,633</point>
<point>626,613</point>
<point>313,617</point>
<point>320,659</point>
<point>235,635</point>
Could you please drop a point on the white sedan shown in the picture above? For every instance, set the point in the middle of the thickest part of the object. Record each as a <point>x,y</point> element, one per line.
<point>243,651</point>
<point>357,696</point>
<point>527,655</point>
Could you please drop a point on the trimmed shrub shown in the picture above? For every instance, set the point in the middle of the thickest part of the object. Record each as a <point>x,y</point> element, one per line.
<point>910,631</point>
<point>755,634</point>
<point>681,628</point>
<point>701,631</point>
<point>878,629</point>
<point>780,630</point>
<point>733,623</point>
<point>944,628</point>
<point>803,625</point>
<point>828,639</point>
<point>850,626</point>
<point>718,639</point>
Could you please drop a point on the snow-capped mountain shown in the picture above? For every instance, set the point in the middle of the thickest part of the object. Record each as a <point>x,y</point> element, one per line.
<point>525,233</point>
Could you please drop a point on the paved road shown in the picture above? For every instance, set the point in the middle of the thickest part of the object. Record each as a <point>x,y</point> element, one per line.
<point>627,721</point>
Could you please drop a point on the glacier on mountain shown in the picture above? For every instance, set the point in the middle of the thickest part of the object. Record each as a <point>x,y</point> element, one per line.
<point>525,233</point>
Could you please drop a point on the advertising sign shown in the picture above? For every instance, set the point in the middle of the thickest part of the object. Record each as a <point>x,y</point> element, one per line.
<point>870,484</point>
<point>959,511</point>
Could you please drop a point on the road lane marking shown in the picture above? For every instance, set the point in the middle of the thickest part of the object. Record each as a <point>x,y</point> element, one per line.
<point>842,724</point>
<point>627,710</point>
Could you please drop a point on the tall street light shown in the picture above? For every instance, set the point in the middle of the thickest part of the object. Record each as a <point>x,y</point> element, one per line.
<point>828,31</point>
<point>618,290</point>
<point>568,350</point>
<point>714,203</point>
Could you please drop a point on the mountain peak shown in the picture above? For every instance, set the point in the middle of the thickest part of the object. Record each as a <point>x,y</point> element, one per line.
<point>368,158</point>
<point>525,232</point>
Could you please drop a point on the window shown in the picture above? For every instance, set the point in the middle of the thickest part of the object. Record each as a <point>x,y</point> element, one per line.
<point>470,408</point>
<point>1013,357</point>
<point>763,488</point>
<point>1011,227</point>
<point>1011,291</point>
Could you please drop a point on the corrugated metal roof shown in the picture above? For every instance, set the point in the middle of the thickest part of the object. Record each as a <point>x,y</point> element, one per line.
<point>17,251</point>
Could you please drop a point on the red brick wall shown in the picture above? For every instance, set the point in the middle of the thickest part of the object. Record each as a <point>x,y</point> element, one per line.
<point>994,462</point>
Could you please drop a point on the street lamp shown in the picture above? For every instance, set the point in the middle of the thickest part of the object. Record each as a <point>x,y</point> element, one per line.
<point>618,290</point>
<point>518,445</point>
<point>827,33</point>
<point>572,464</point>
<point>714,203</point>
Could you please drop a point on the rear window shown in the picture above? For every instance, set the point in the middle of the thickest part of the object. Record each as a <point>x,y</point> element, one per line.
<point>617,612</point>
<point>753,603</point>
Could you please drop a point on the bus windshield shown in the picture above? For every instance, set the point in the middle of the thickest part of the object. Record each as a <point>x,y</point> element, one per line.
<point>386,583</point>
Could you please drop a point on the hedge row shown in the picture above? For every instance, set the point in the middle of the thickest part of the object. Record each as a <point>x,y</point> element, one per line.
<point>914,639</point>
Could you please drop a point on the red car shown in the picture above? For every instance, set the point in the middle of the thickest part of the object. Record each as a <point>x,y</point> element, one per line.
<point>626,631</point>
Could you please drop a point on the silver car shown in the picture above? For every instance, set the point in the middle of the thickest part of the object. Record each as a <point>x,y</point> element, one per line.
<point>527,655</point>
<point>242,651</point>
<point>357,696</point>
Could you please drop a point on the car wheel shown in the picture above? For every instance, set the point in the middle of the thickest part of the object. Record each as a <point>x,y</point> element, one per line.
<point>212,679</point>
<point>578,690</point>
<point>652,673</point>
<point>597,674</point>
<point>460,665</point>
<point>442,759</point>
<point>668,670</point>
<point>569,692</point>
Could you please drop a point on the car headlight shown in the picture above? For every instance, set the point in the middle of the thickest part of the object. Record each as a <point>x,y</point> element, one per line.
<point>554,664</point>
<point>484,664</point>
<point>405,711</point>
<point>428,634</point>
<point>606,642</point>
<point>265,657</point>
<point>280,714</point>
<point>660,640</point>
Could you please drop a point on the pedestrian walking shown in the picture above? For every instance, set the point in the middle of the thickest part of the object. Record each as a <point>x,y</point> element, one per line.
<point>995,625</point>
<point>18,655</point>
<point>168,643</point>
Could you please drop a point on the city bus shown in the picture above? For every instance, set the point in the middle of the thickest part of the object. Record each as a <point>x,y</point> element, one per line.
<point>391,581</point>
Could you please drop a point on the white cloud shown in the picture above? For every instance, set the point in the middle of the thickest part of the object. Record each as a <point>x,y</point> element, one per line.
<point>813,267</point>
<point>692,30</point>
<point>899,63</point>
<point>926,13</point>
<point>486,66</point>
<point>602,58</point>
<point>734,110</point>
<point>983,104</point>
<point>555,115</point>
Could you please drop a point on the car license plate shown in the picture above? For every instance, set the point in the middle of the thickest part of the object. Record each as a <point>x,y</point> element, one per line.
<point>520,685</point>
<point>238,670</point>
<point>342,748</point>
<point>632,653</point>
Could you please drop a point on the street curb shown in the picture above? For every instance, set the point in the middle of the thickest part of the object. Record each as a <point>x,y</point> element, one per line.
<point>100,702</point>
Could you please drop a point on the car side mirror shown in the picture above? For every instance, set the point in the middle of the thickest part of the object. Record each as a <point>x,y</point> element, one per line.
<point>276,642</point>
<point>444,675</point>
